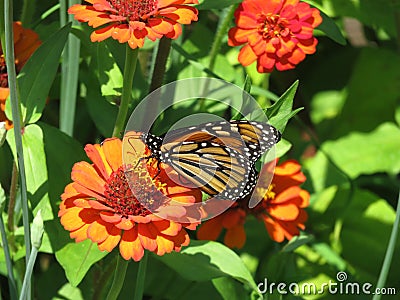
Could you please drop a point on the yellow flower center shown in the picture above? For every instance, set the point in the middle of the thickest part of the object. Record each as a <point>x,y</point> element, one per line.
<point>271,26</point>
<point>267,195</point>
<point>120,198</point>
<point>134,10</point>
<point>270,194</point>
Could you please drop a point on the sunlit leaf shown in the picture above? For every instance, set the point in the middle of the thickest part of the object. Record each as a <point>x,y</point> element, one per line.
<point>206,260</point>
<point>367,153</point>
<point>69,292</point>
<point>281,111</point>
<point>35,168</point>
<point>77,258</point>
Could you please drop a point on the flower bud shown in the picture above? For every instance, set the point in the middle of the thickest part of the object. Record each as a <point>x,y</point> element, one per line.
<point>37,230</point>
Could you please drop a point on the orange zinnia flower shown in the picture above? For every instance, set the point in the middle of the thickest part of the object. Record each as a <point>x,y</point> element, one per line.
<point>132,20</point>
<point>276,33</point>
<point>99,205</point>
<point>26,41</point>
<point>281,209</point>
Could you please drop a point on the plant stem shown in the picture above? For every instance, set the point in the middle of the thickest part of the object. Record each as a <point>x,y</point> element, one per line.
<point>15,108</point>
<point>70,71</point>
<point>129,71</point>
<point>47,13</point>
<point>101,283</point>
<point>28,10</point>
<point>64,61</point>
<point>2,29</point>
<point>164,48</point>
<point>397,23</point>
<point>119,277</point>
<point>389,252</point>
<point>141,277</point>
<point>13,195</point>
<point>221,32</point>
<point>63,15</point>
<point>9,264</point>
<point>27,278</point>
<point>223,25</point>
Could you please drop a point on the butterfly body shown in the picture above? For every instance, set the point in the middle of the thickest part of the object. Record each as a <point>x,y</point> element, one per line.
<point>217,157</point>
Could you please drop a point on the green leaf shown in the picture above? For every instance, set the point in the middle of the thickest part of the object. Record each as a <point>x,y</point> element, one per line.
<point>77,258</point>
<point>206,260</point>
<point>62,151</point>
<point>397,115</point>
<point>328,25</point>
<point>330,255</point>
<point>118,52</point>
<point>323,173</point>
<point>229,288</point>
<point>281,111</point>
<point>193,61</point>
<point>374,14</point>
<point>327,105</point>
<point>258,91</point>
<point>2,199</point>
<point>367,224</point>
<point>297,242</point>
<point>35,169</point>
<point>282,148</point>
<point>97,104</point>
<point>37,230</point>
<point>367,153</point>
<point>370,94</point>
<point>69,292</point>
<point>3,133</point>
<point>247,84</point>
<point>110,75</point>
<point>37,75</point>
<point>212,4</point>
<point>3,266</point>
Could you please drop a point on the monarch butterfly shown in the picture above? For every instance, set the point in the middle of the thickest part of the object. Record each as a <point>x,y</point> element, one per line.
<point>218,157</point>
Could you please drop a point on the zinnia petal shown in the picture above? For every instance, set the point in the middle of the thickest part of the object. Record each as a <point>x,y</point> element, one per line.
<point>274,230</point>
<point>235,237</point>
<point>130,245</point>
<point>26,41</point>
<point>157,19</point>
<point>211,229</point>
<point>277,27</point>
<point>247,55</point>
<point>99,204</point>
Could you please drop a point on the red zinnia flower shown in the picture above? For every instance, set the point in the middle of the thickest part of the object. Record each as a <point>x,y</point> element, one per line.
<point>281,209</point>
<point>132,20</point>
<point>276,33</point>
<point>26,41</point>
<point>99,205</point>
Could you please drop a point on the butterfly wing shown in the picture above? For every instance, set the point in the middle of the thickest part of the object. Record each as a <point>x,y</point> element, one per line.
<point>250,138</point>
<point>217,157</point>
<point>215,169</point>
